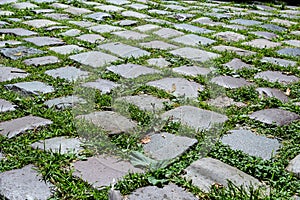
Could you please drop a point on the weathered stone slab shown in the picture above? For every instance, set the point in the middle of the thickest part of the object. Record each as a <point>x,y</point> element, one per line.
<point>24,5</point>
<point>251,143</point>
<point>6,106</point>
<point>207,21</point>
<point>45,60</point>
<point>295,43</point>
<point>192,28</point>
<point>9,43</point>
<point>266,35</point>
<point>118,2</point>
<point>245,22</point>
<point>194,117</point>
<point>178,87</point>
<point>294,166</point>
<point>237,64</point>
<point>275,116</point>
<point>127,22</point>
<point>194,54</point>
<point>9,73</point>
<point>289,52</point>
<point>235,27</point>
<point>18,126</point>
<point>105,86</point>
<point>44,41</point>
<point>134,14</point>
<point>138,6</point>
<point>208,171</point>
<point>286,23</point>
<point>159,62</point>
<point>57,16</point>
<point>68,73</point>
<point>130,35</point>
<point>131,70</point>
<point>272,92</point>
<point>67,49</point>
<point>94,59</point>
<point>238,51</point>
<point>30,88</point>
<point>168,33</point>
<point>170,191</point>
<point>76,11</point>
<point>156,44</point>
<point>147,27</point>
<point>124,50</point>
<point>99,16</point>
<point>175,7</point>
<point>145,102</point>
<point>192,70</point>
<point>230,82</point>
<point>61,145</point>
<point>279,61</point>
<point>273,27</point>
<point>40,23</point>
<point>109,8</point>
<point>110,121</point>
<point>276,76</point>
<point>101,170</point>
<point>91,38</point>
<point>84,24</point>
<point>262,43</point>
<point>7,1</point>
<point>18,31</point>
<point>64,102</point>
<point>166,146</point>
<point>19,52</point>
<point>193,40</point>
<point>24,183</point>
<point>229,36</point>
<point>2,24</point>
<point>71,32</point>
<point>105,28</point>
<point>224,101</point>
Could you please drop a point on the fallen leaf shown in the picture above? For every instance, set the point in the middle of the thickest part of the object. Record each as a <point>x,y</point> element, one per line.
<point>146,140</point>
<point>18,54</point>
<point>288,92</point>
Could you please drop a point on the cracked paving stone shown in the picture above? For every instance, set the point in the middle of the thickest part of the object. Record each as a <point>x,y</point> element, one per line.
<point>44,41</point>
<point>110,121</point>
<point>262,43</point>
<point>130,35</point>
<point>192,28</point>
<point>24,183</point>
<point>159,62</point>
<point>237,64</point>
<point>156,44</point>
<point>193,40</point>
<point>178,87</point>
<point>230,82</point>
<point>196,118</point>
<point>170,191</point>
<point>272,92</point>
<point>224,101</point>
<point>19,52</point>
<point>131,70</point>
<point>61,145</point>
<point>30,88</point>
<point>104,86</point>
<point>68,73</point>
<point>18,126</point>
<point>105,28</point>
<point>101,170</point>
<point>251,143</point>
<point>266,35</point>
<point>9,73</point>
<point>229,36</point>
<point>206,172</point>
<point>40,23</point>
<point>99,16</point>
<point>194,54</point>
<point>6,106</point>
<point>238,51</point>
<point>18,31</point>
<point>123,50</point>
<point>94,59</point>
<point>67,49</point>
<point>276,76</point>
<point>192,70</point>
<point>289,52</point>
<point>64,102</point>
<point>91,38</point>
<point>145,102</point>
<point>279,61</point>
<point>294,166</point>
<point>275,116</point>
<point>168,33</point>
<point>166,146</point>
<point>39,61</point>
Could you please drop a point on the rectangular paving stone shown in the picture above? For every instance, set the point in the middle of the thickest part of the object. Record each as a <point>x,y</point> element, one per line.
<point>272,92</point>
<point>130,35</point>
<point>124,50</point>
<point>84,24</point>
<point>159,62</point>
<point>277,76</point>
<point>131,70</point>
<point>196,118</point>
<point>44,41</point>
<point>146,27</point>
<point>279,61</point>
<point>67,49</point>
<point>6,106</point>
<point>156,44</point>
<point>294,167</point>
<point>206,172</point>
<point>64,102</point>
<point>57,16</point>
<point>192,70</point>
<point>9,43</point>
<point>19,52</point>
<point>94,59</point>
<point>223,102</point>
<point>101,170</point>
<point>207,21</point>
<point>104,86</point>
<point>91,38</point>
<point>194,54</point>
<point>71,32</point>
<point>237,64</point>
<point>167,33</point>
<point>192,28</point>
<point>134,14</point>
<point>109,8</point>
<point>245,22</point>
<point>230,82</point>
<point>262,43</point>
<point>273,27</point>
<point>193,40</point>
<point>26,182</point>
<point>30,88</point>
<point>99,16</point>
<point>295,43</point>
<point>77,11</point>
<point>9,73</point>
<point>105,28</point>
<point>118,2</point>
<point>229,36</point>
<point>39,61</point>
<point>289,52</point>
<point>18,31</point>
<point>18,126</point>
<point>266,35</point>
<point>40,23</point>
<point>24,5</point>
<point>68,73</point>
<point>238,51</point>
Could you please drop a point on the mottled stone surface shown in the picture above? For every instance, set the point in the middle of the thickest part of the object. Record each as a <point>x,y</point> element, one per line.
<point>147,27</point>
<point>91,38</point>
<point>194,54</point>
<point>266,35</point>
<point>230,36</point>
<point>294,166</point>
<point>44,41</point>
<point>251,143</point>
<point>64,102</point>
<point>131,70</point>
<point>272,92</point>
<point>105,28</point>
<point>237,64</point>
<point>99,16</point>
<point>275,116</point>
<point>18,126</point>
<point>105,86</point>
<point>245,22</point>
<point>30,88</point>
<point>18,31</point>
<point>45,60</point>
<point>6,106</point>
<point>19,52</point>
<point>192,70</point>
<point>262,43</point>
<point>238,51</point>
<point>101,170</point>
<point>278,61</point>
<point>156,44</point>
<point>40,23</point>
<point>276,76</point>
<point>224,101</point>
<point>67,49</point>
<point>24,183</point>
<point>159,62</point>
<point>9,73</point>
<point>168,33</point>
<point>192,28</point>
<point>130,35</point>
<point>230,82</point>
<point>194,117</point>
<point>193,40</point>
<point>289,52</point>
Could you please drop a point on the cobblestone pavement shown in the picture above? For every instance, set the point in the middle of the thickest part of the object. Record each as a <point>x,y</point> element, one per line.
<point>149,99</point>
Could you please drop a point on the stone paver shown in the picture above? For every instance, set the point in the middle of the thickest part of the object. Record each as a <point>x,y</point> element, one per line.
<point>40,23</point>
<point>193,40</point>
<point>68,73</point>
<point>6,106</point>
<point>19,52</point>
<point>278,61</point>
<point>230,82</point>
<point>266,35</point>
<point>24,183</point>
<point>272,92</point>
<point>262,43</point>
<point>105,86</point>
<point>192,70</point>
<point>91,38</point>
<point>238,51</point>
<point>289,52</point>
<point>18,31</point>
<point>194,54</point>
<point>168,33</point>
<point>156,44</point>
<point>160,62</point>
<point>130,35</point>
<point>64,102</point>
<point>230,36</point>
<point>294,166</point>
<point>67,49</point>
<point>237,64</point>
<point>9,73</point>
<point>224,101</point>
<point>131,70</point>
<point>18,126</point>
<point>45,60</point>
<point>44,41</point>
<point>276,76</point>
<point>30,88</point>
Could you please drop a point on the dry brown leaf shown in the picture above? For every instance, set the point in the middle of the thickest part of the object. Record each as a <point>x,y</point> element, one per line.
<point>288,92</point>
<point>146,140</point>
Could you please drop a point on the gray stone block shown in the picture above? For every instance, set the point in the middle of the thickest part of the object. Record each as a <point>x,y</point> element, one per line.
<point>131,70</point>
<point>18,31</point>
<point>230,82</point>
<point>277,76</point>
<point>44,41</point>
<point>40,23</point>
<point>156,44</point>
<point>193,40</point>
<point>45,60</point>
<point>30,88</point>
<point>9,73</point>
<point>195,54</point>
<point>6,106</point>
<point>272,92</point>
<point>105,86</point>
<point>64,102</point>
<point>294,166</point>
<point>19,52</point>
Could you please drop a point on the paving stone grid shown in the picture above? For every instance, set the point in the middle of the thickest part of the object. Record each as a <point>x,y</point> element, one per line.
<point>53,52</point>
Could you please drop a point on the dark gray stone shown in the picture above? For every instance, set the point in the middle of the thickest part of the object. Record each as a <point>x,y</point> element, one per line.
<point>193,40</point>
<point>45,60</point>
<point>30,88</point>
<point>278,61</point>
<point>272,92</point>
<point>195,54</point>
<point>44,41</point>
<point>24,183</point>
<point>276,76</point>
<point>170,191</point>
<point>18,31</point>
<point>194,117</point>
<point>99,16</point>
<point>237,64</point>
<point>192,70</point>
<point>18,126</point>
<point>131,70</point>
<point>40,23</point>
<point>67,49</point>
<point>105,86</point>
<point>68,73</point>
<point>101,170</point>
<point>19,52</point>
<point>155,44</point>
<point>9,73</point>
<point>289,52</point>
<point>230,82</point>
<point>275,116</point>
<point>109,121</point>
<point>6,106</point>
<point>272,27</point>
<point>64,102</point>
<point>192,28</point>
<point>294,166</point>
<point>251,143</point>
